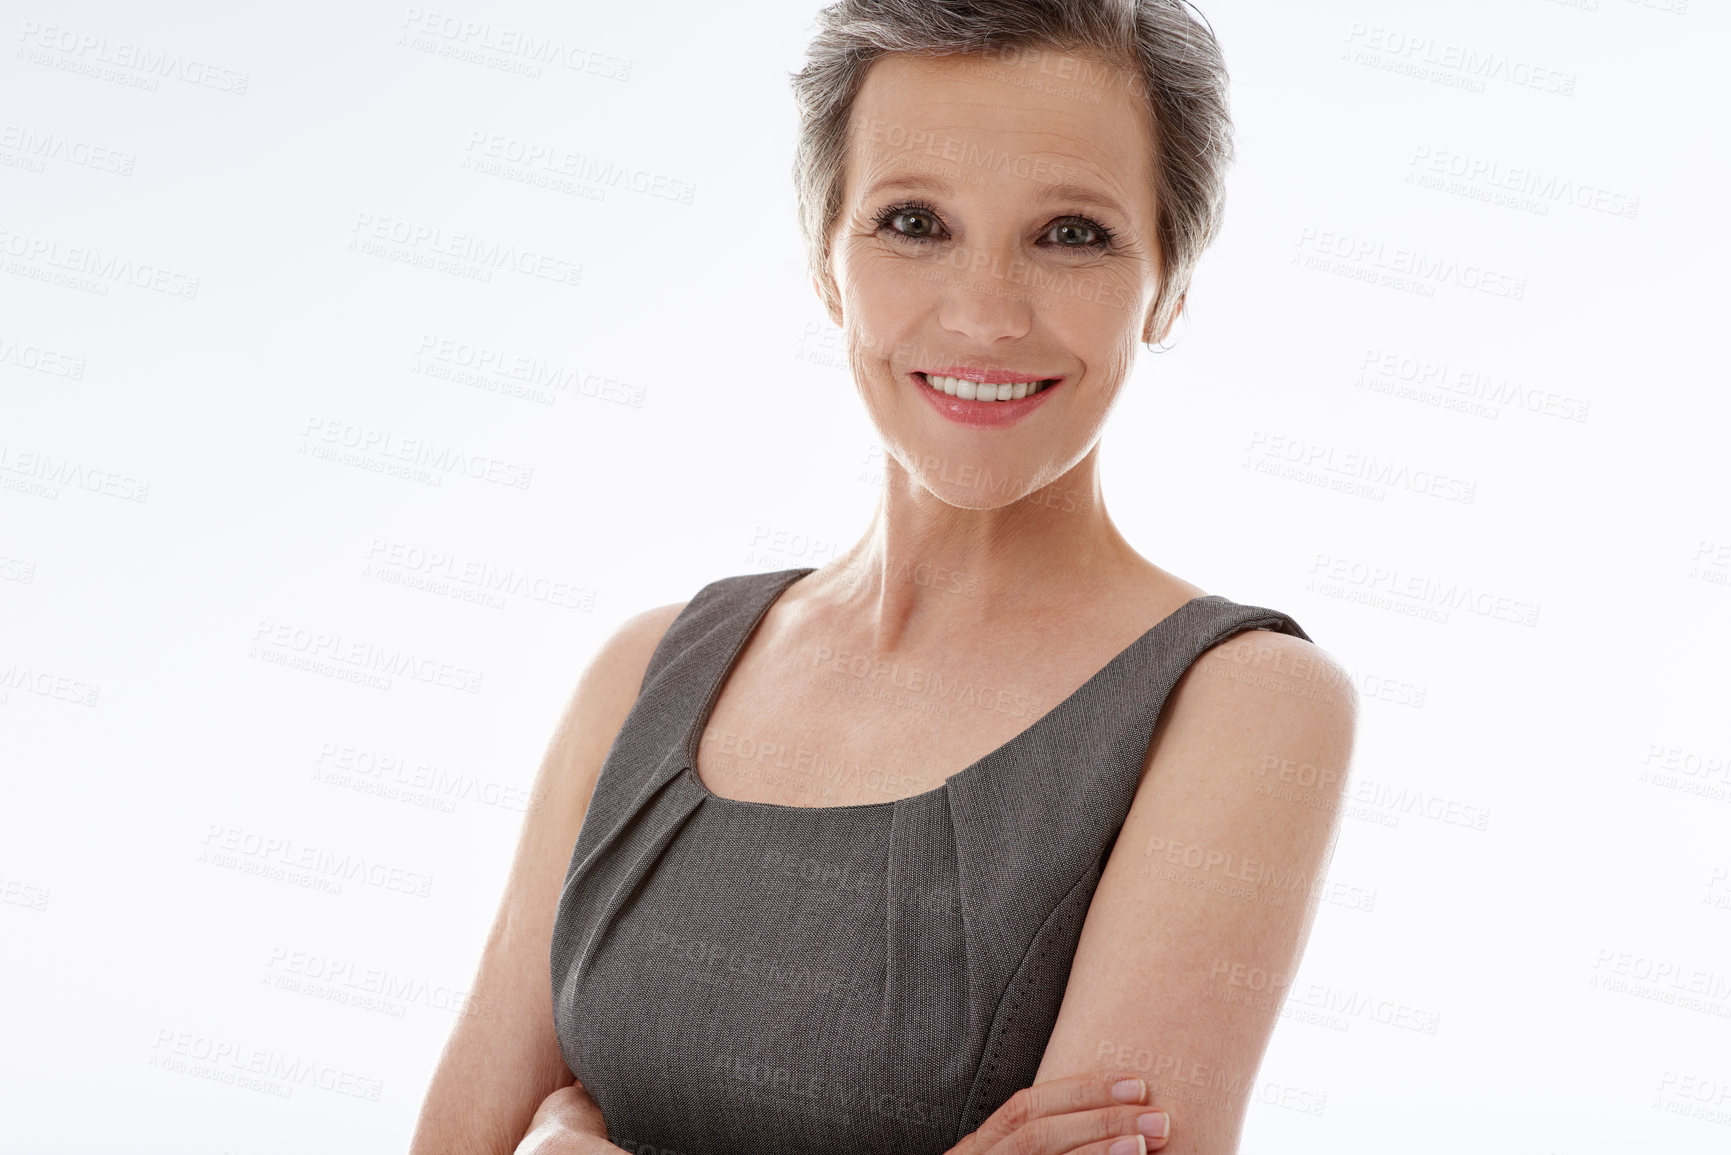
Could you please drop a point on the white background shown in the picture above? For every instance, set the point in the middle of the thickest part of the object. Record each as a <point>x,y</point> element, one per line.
<point>188,310</point>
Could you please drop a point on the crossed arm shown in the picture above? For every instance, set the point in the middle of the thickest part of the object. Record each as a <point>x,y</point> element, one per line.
<point>1199,920</point>
<point>1197,923</point>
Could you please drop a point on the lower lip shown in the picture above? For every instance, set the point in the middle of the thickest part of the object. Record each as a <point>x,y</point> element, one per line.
<point>983,414</point>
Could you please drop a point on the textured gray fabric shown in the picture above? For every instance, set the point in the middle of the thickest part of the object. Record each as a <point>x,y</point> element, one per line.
<point>733,976</point>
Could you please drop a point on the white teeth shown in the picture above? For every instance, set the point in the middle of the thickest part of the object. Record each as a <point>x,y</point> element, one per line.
<point>973,391</point>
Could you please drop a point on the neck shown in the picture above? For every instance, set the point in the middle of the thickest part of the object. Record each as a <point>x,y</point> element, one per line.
<point>928,568</point>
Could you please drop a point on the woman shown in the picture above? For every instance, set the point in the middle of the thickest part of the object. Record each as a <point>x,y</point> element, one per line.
<point>990,835</point>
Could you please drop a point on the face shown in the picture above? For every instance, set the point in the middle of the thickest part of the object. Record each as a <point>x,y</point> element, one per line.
<point>998,222</point>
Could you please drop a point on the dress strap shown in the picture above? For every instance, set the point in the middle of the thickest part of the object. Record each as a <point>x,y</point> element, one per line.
<point>684,670</point>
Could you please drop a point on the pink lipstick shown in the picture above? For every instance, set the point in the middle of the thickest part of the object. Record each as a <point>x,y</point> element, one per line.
<point>974,412</point>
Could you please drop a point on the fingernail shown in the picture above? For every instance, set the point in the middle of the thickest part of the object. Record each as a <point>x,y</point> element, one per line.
<point>1129,1145</point>
<point>1154,1124</point>
<point>1128,1090</point>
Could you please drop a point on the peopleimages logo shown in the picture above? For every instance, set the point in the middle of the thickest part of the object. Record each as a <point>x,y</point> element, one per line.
<point>1390,586</point>
<point>515,44</point>
<point>87,52</point>
<point>256,1068</point>
<point>285,643</point>
<point>42,254</point>
<point>1427,57</point>
<point>388,446</point>
<point>224,845</point>
<point>418,240</point>
<point>1332,464</point>
<point>1374,258</point>
<point>1545,188</point>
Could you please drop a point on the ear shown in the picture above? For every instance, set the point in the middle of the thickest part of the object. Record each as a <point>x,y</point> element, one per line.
<point>1171,321</point>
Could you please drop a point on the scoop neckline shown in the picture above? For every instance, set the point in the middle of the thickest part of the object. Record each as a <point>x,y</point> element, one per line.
<point>700,722</point>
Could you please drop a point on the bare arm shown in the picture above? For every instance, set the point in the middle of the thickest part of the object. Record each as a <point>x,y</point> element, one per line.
<point>503,1060</point>
<point>1206,902</point>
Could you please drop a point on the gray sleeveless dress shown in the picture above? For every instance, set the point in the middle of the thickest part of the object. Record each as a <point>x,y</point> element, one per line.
<point>733,976</point>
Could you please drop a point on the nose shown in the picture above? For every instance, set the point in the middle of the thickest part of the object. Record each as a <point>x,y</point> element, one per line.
<point>980,302</point>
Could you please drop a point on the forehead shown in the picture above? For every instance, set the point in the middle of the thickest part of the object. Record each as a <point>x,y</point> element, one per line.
<point>1034,117</point>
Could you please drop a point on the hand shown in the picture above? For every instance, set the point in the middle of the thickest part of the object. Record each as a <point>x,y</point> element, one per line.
<point>1081,1115</point>
<point>566,1123</point>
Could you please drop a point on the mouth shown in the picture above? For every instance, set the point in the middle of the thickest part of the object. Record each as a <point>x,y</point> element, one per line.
<point>1005,387</point>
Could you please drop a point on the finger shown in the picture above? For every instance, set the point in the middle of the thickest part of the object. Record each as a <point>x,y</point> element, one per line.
<point>1115,1130</point>
<point>1059,1097</point>
<point>969,1145</point>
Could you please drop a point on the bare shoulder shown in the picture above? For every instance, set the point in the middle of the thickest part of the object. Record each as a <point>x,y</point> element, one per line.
<point>604,695</point>
<point>616,672</point>
<point>1252,707</point>
<point>1266,669</point>
<point>597,707</point>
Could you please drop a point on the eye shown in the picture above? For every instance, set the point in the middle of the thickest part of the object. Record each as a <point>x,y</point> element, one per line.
<point>1093,233</point>
<point>922,219</point>
<point>919,222</point>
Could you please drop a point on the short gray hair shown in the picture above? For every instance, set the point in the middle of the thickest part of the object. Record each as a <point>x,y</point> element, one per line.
<point>1173,57</point>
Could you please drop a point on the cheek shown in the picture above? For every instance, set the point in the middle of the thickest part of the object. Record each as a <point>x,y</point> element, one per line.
<point>884,281</point>
<point>1092,327</point>
<point>882,300</point>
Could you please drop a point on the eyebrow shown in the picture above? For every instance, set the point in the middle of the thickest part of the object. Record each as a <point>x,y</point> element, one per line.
<point>1072,193</point>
